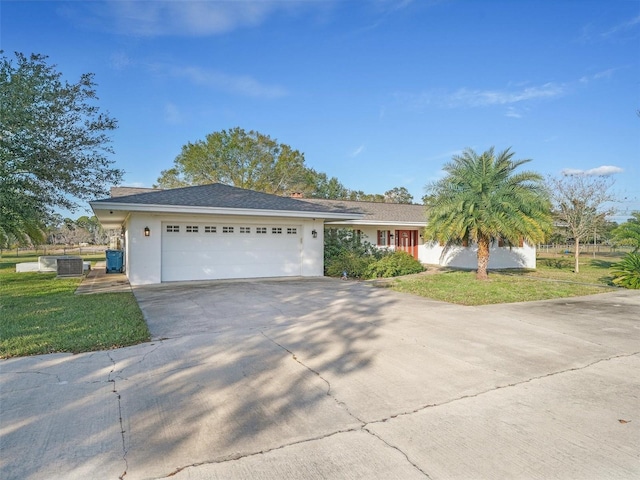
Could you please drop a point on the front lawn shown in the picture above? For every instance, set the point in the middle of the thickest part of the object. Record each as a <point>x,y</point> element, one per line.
<point>554,278</point>
<point>41,314</point>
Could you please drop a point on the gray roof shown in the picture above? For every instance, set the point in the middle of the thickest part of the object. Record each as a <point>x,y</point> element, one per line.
<point>217,195</point>
<point>377,211</point>
<point>124,191</point>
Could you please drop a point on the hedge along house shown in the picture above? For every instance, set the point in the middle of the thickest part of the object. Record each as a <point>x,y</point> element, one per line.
<point>217,232</point>
<point>396,226</point>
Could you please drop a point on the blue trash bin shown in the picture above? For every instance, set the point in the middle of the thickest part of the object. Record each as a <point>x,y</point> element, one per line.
<point>114,261</point>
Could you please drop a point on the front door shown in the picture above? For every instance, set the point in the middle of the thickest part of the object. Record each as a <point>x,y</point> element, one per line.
<point>407,241</point>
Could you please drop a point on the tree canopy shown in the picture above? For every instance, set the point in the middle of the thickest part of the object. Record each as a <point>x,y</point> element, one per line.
<point>248,160</point>
<point>54,145</point>
<point>482,199</point>
<point>628,233</point>
<point>398,195</point>
<point>256,161</point>
<point>580,205</point>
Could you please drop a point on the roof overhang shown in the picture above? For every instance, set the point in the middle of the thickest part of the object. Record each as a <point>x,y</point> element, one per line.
<point>390,223</point>
<point>114,214</point>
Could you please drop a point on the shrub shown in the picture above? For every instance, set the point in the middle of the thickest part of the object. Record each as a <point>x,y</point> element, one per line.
<point>348,251</point>
<point>356,265</point>
<point>559,263</point>
<point>626,273</point>
<point>393,265</point>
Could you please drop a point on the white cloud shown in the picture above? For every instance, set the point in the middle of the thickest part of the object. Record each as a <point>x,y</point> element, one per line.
<point>513,113</point>
<point>483,98</point>
<point>604,74</point>
<point>357,151</point>
<point>623,27</point>
<point>239,84</point>
<point>466,97</point>
<point>189,18</point>
<point>119,61</point>
<point>602,171</point>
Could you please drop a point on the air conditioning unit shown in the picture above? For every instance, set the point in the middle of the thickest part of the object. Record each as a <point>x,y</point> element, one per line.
<point>70,266</point>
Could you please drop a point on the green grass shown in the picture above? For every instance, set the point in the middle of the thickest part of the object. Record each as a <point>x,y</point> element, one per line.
<point>554,278</point>
<point>41,314</point>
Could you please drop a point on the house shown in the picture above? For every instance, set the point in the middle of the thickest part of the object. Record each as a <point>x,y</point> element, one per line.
<point>216,232</point>
<point>396,226</point>
<point>219,232</point>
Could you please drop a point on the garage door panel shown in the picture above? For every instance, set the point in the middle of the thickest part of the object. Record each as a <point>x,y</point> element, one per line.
<point>203,256</point>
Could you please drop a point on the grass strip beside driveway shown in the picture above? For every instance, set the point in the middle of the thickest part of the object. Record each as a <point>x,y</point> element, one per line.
<point>39,314</point>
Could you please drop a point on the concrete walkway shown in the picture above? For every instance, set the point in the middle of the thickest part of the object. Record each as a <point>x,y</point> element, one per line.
<point>329,379</point>
<point>99,281</point>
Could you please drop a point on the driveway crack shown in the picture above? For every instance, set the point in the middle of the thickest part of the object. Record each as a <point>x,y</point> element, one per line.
<point>329,393</point>
<point>397,449</point>
<point>233,458</point>
<point>500,387</point>
<point>120,419</point>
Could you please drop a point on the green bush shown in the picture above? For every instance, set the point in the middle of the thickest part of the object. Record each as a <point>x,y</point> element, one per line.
<point>347,251</point>
<point>626,273</point>
<point>393,265</point>
<point>356,265</point>
<point>559,263</point>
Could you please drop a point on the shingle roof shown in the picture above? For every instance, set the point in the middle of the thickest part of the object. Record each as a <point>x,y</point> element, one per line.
<point>124,191</point>
<point>217,195</point>
<point>377,211</point>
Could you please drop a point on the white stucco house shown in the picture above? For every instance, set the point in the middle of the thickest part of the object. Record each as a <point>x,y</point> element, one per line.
<point>216,232</point>
<point>396,226</point>
<point>221,232</point>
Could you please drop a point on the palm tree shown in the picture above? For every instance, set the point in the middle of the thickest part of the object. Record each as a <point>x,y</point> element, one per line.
<point>629,232</point>
<point>482,199</point>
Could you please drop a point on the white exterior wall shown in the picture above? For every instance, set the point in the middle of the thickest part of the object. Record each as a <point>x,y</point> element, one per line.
<point>312,248</point>
<point>456,257</point>
<point>143,255</point>
<point>466,257</point>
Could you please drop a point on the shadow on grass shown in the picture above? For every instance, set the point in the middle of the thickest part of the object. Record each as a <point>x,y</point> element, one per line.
<point>598,263</point>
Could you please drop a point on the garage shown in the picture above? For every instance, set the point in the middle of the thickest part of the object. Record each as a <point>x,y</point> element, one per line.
<point>208,250</point>
<point>216,231</point>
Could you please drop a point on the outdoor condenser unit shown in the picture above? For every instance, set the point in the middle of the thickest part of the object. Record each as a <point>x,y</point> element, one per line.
<point>70,266</point>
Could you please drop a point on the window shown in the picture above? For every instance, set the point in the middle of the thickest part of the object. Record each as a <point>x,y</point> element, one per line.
<point>227,229</point>
<point>261,230</point>
<point>276,230</point>
<point>173,228</point>
<point>192,228</point>
<point>209,229</point>
<point>292,231</point>
<point>245,229</point>
<point>383,238</point>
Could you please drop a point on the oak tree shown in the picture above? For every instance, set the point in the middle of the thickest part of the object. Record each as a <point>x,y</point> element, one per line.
<point>54,145</point>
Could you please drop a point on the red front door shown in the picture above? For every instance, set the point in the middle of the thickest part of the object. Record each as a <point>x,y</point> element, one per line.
<point>407,240</point>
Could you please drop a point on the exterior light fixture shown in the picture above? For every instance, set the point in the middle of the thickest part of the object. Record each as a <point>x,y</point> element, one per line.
<point>147,232</point>
<point>314,232</point>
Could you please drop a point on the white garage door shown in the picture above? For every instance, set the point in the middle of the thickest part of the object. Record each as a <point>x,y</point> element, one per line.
<point>204,251</point>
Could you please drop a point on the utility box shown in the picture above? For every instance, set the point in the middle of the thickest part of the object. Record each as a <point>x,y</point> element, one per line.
<point>70,266</point>
<point>115,261</point>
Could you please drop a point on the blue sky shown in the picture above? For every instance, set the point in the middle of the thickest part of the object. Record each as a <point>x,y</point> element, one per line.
<point>379,94</point>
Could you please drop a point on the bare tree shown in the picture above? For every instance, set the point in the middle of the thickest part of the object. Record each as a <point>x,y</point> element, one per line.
<point>580,204</point>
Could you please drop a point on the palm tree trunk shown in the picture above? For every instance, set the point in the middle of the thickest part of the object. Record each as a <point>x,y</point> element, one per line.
<point>483,258</point>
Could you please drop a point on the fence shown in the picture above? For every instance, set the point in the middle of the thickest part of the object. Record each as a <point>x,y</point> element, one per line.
<point>55,250</point>
<point>565,249</point>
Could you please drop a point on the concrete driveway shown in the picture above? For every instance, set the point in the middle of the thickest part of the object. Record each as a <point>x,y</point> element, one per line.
<point>328,379</point>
